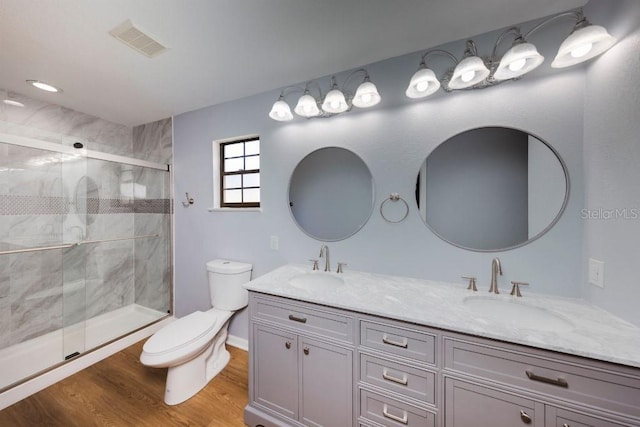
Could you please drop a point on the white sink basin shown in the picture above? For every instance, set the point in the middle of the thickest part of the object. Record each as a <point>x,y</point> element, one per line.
<point>520,314</point>
<point>320,281</point>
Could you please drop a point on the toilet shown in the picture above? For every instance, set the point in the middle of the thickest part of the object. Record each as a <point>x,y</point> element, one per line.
<point>193,347</point>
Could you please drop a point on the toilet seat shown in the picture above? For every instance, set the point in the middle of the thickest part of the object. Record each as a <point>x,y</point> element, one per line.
<point>183,338</point>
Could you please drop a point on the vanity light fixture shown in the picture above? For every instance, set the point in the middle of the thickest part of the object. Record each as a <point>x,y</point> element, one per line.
<point>336,101</point>
<point>44,86</point>
<point>474,72</point>
<point>13,103</point>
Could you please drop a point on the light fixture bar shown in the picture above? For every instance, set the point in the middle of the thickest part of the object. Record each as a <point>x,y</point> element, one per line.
<point>336,101</point>
<point>474,72</point>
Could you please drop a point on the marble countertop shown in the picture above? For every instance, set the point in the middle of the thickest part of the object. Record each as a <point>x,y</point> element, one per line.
<point>592,332</point>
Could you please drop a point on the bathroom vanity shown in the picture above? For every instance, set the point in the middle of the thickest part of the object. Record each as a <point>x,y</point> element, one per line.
<point>361,349</point>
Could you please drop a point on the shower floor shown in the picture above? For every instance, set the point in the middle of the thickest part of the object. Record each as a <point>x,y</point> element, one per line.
<point>28,358</point>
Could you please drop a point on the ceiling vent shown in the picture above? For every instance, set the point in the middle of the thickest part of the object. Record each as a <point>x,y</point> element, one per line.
<point>136,39</point>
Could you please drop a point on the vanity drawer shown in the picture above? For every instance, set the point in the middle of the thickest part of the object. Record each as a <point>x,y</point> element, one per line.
<point>557,417</point>
<point>601,385</point>
<point>412,382</point>
<point>393,413</point>
<point>304,317</point>
<point>403,342</point>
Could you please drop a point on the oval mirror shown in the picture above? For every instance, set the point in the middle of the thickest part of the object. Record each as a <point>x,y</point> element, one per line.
<point>492,189</point>
<point>331,194</point>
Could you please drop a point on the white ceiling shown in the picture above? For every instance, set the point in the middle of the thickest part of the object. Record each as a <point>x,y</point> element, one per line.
<point>222,50</point>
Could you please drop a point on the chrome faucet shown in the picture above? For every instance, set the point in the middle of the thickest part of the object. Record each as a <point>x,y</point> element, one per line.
<point>324,252</point>
<point>496,269</point>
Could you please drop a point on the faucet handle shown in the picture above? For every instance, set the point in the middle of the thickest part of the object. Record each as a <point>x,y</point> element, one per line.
<point>340,265</point>
<point>315,264</point>
<point>472,283</point>
<point>516,288</point>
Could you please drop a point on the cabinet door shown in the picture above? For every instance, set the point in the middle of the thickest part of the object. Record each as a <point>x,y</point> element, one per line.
<point>326,384</point>
<point>473,405</point>
<point>558,417</point>
<point>276,370</point>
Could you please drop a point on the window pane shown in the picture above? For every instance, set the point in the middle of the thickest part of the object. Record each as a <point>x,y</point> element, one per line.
<point>232,181</point>
<point>252,195</point>
<point>232,196</point>
<point>252,162</point>
<point>232,165</point>
<point>252,147</point>
<point>251,180</point>
<point>233,150</point>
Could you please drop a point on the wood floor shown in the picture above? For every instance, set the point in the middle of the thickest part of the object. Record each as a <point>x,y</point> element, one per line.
<point>120,391</point>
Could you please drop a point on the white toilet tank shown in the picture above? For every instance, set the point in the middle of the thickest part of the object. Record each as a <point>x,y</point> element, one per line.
<point>225,284</point>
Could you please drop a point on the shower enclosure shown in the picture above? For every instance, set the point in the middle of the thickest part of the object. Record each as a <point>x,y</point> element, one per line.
<point>85,251</point>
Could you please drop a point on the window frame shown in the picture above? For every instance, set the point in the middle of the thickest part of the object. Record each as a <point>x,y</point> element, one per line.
<point>219,174</point>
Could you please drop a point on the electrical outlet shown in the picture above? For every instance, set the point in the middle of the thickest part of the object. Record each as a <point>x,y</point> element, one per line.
<point>596,272</point>
<point>275,244</point>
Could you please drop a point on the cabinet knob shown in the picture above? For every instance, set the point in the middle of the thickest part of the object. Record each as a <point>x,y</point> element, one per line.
<point>565,425</point>
<point>306,350</point>
<point>287,345</point>
<point>525,417</point>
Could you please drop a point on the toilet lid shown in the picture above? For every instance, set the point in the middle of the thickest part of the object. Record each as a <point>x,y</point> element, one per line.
<point>181,332</point>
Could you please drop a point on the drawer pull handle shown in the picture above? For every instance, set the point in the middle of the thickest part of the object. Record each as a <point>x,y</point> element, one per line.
<point>402,344</point>
<point>297,319</point>
<point>404,419</point>
<point>525,417</point>
<point>386,376</point>
<point>560,382</point>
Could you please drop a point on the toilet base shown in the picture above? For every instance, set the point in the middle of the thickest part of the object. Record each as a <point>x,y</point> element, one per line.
<point>187,379</point>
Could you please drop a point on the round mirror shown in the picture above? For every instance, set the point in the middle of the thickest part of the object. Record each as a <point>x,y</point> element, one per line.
<point>492,189</point>
<point>331,194</point>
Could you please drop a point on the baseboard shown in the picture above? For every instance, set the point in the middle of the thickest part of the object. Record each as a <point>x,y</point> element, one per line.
<point>238,342</point>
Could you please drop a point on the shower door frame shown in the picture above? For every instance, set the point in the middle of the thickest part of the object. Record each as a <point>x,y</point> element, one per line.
<point>116,158</point>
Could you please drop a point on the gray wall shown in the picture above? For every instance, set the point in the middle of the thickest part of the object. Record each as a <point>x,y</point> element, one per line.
<point>612,159</point>
<point>393,139</point>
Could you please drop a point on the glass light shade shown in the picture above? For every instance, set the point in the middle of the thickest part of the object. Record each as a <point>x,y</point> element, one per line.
<point>281,111</point>
<point>518,60</point>
<point>582,45</point>
<point>366,96</point>
<point>423,83</point>
<point>334,102</point>
<point>307,106</point>
<point>44,86</point>
<point>469,72</point>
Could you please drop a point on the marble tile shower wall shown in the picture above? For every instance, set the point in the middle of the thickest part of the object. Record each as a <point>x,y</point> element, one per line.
<point>50,202</point>
<point>53,123</point>
<point>153,256</point>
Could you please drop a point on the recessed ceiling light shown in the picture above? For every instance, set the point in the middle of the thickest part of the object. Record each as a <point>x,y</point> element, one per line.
<point>43,86</point>
<point>13,103</point>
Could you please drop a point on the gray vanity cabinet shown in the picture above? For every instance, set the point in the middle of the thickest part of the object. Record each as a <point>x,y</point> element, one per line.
<point>301,365</point>
<point>313,365</point>
<point>500,384</point>
<point>468,404</point>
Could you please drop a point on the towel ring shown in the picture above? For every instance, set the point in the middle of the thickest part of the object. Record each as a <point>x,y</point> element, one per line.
<point>394,197</point>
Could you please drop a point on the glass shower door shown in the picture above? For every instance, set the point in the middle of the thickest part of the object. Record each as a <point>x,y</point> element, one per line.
<point>77,192</point>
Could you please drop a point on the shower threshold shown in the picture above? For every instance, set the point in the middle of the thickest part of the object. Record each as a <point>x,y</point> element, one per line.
<point>28,358</point>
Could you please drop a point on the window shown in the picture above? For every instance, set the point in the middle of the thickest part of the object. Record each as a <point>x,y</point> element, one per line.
<point>240,173</point>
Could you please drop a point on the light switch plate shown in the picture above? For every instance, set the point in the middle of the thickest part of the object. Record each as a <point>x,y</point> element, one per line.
<point>596,272</point>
